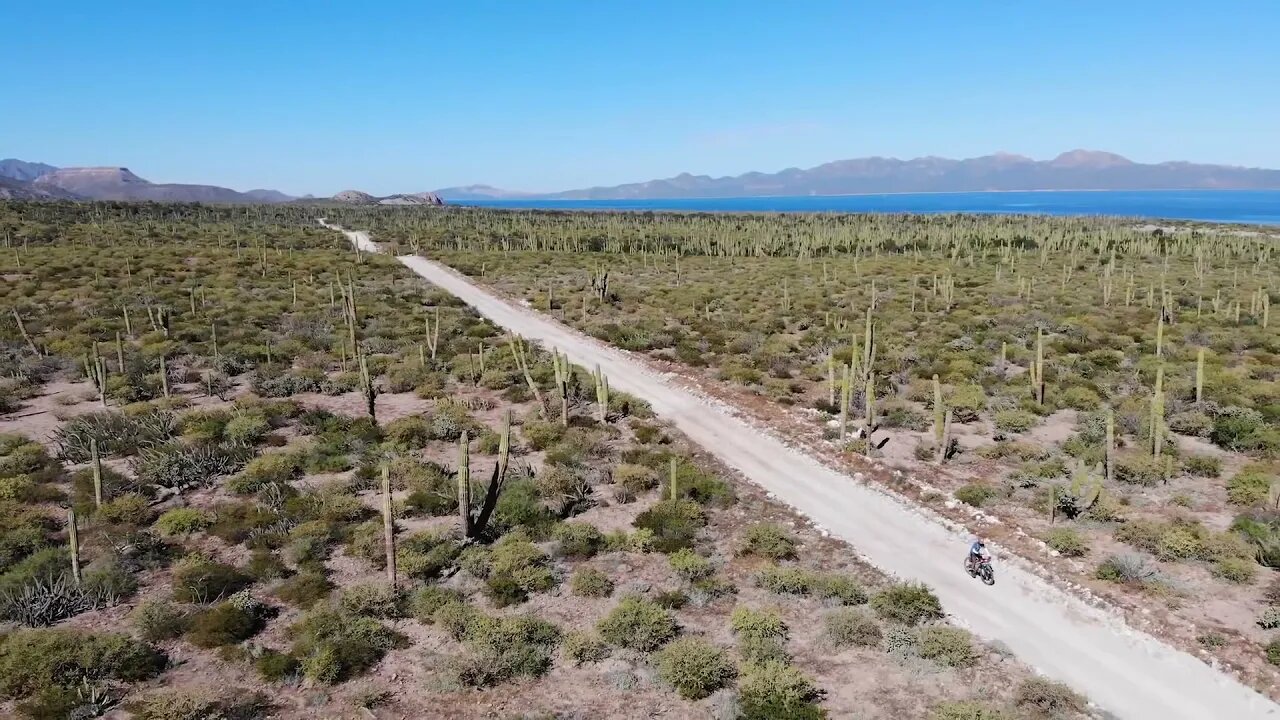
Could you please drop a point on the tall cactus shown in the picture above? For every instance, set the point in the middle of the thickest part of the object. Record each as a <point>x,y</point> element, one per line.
<point>73,539</point>
<point>1110,452</point>
<point>433,333</point>
<point>671,481</point>
<point>464,483</point>
<point>119,354</point>
<point>516,344</point>
<point>846,393</point>
<point>474,526</point>
<point>560,364</point>
<point>868,401</point>
<point>939,418</point>
<point>96,461</point>
<point>164,377</point>
<point>22,330</point>
<point>388,525</point>
<point>367,387</point>
<point>602,394</point>
<point>1199,376</point>
<point>1160,333</point>
<point>1157,414</point>
<point>944,447</point>
<point>1036,373</point>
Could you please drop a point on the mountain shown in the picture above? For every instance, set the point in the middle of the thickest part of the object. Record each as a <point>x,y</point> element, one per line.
<point>269,196</point>
<point>24,171</point>
<point>11,189</point>
<point>117,183</point>
<point>356,197</point>
<point>1074,170</point>
<point>479,192</point>
<point>46,182</point>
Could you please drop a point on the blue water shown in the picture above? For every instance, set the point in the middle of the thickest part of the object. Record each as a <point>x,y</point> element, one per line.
<point>1227,206</point>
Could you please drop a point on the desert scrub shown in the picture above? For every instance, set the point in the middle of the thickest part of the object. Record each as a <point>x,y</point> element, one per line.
<point>907,603</point>
<point>1066,541</point>
<point>635,479</point>
<point>202,705</point>
<point>33,661</point>
<point>425,602</point>
<point>304,589</point>
<point>674,524</point>
<point>583,648</point>
<point>975,494</point>
<point>1130,569</point>
<point>689,565</point>
<point>1047,698</point>
<point>199,579</point>
<point>183,521</point>
<point>851,627</point>
<point>1206,466</point>
<point>502,648</point>
<point>1251,484</point>
<point>578,540</point>
<point>775,689</point>
<point>638,624</point>
<point>590,582</point>
<point>768,540</point>
<point>375,600</point>
<point>947,646</point>
<point>157,620</point>
<point>793,580</point>
<point>1015,421</point>
<point>694,667</point>
<point>965,710</point>
<point>227,623</point>
<point>334,646</point>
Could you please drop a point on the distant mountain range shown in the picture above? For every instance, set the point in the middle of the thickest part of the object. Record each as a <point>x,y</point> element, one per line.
<point>1075,170</point>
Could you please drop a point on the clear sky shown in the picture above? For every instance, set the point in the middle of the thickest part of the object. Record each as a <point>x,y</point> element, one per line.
<point>409,96</point>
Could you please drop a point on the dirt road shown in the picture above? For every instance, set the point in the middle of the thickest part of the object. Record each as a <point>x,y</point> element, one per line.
<point>1123,671</point>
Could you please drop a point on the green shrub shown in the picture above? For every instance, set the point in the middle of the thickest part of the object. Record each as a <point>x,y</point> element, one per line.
<point>1066,541</point>
<point>583,648</point>
<point>375,600</point>
<point>578,540</point>
<point>1133,569</point>
<point>674,524</point>
<point>185,466</point>
<point>199,579</point>
<point>540,435</point>
<point>1207,466</point>
<point>423,555</point>
<point>410,432</point>
<point>1250,485</point>
<point>1140,469</point>
<point>637,624</point>
<point>966,402</point>
<point>226,623</point>
<point>1081,398</point>
<point>775,689</point>
<point>1269,619</point>
<point>128,509</point>
<point>333,646</point>
<point>948,646</point>
<point>184,521</point>
<point>202,705</point>
<point>1235,570</point>
<point>304,589</point>
<point>1015,421</point>
<point>157,620</point>
<point>635,479</point>
<point>965,710</point>
<point>689,565</point>
<point>768,540</point>
<point>1273,651</point>
<point>907,603</point>
<point>425,602</point>
<point>763,624</point>
<point>975,494</point>
<point>33,660</point>
<point>694,667</point>
<point>276,468</point>
<point>590,582</point>
<point>1047,697</point>
<point>501,648</point>
<point>851,627</point>
<point>274,666</point>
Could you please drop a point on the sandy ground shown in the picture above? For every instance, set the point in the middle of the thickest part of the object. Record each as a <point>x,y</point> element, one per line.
<point>1126,672</point>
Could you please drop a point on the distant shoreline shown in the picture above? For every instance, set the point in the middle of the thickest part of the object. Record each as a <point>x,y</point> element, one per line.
<point>1237,207</point>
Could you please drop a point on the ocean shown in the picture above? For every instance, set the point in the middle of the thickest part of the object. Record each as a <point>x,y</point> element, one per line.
<point>1221,206</point>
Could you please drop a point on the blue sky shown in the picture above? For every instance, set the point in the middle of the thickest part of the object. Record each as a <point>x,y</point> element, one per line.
<point>409,96</point>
